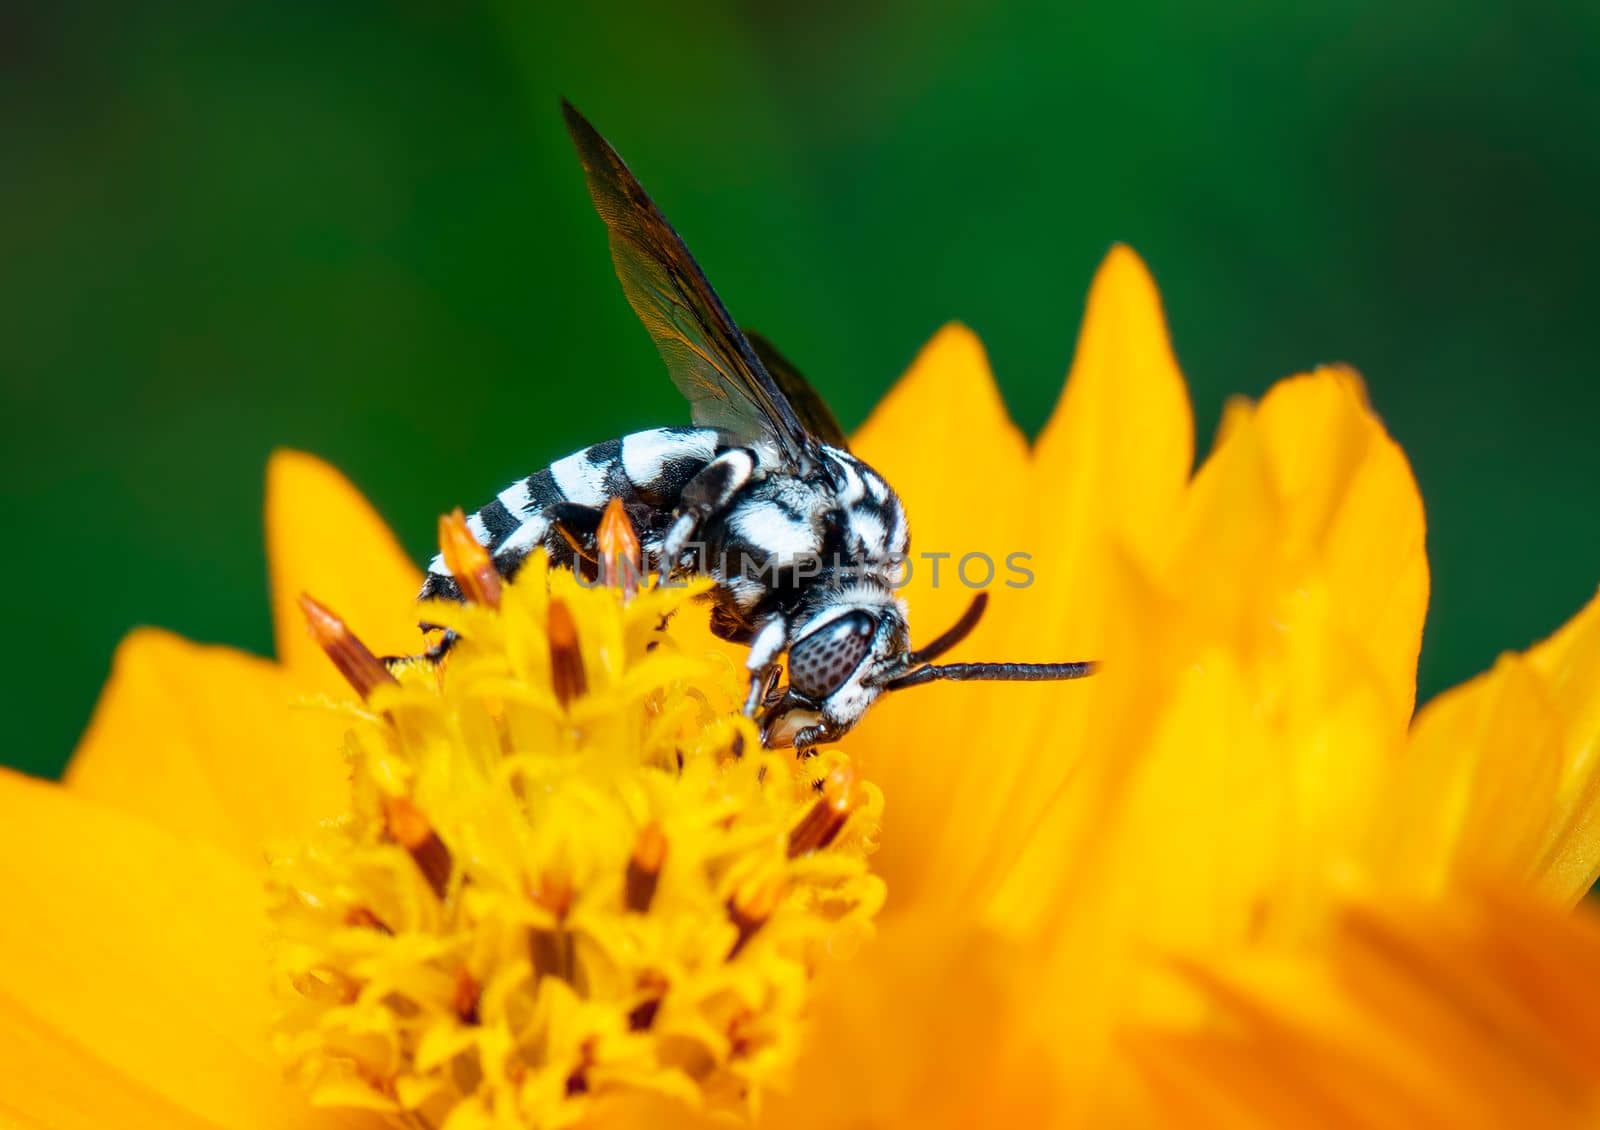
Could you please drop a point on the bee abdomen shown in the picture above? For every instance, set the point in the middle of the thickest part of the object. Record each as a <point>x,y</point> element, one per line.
<point>645,469</point>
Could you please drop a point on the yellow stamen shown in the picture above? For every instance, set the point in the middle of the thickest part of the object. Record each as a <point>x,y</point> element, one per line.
<point>364,671</point>
<point>826,817</point>
<point>544,834</point>
<point>654,987</point>
<point>621,556</point>
<point>751,908</point>
<point>644,867</point>
<point>468,561</point>
<point>566,661</point>
<point>409,828</point>
<point>361,917</point>
<point>467,994</point>
<point>553,892</point>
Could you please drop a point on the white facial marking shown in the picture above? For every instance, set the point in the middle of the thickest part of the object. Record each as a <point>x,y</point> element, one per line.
<point>851,598</point>
<point>850,701</point>
<point>768,643</point>
<point>580,480</point>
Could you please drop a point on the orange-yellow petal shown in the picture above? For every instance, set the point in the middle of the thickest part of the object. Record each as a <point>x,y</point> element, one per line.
<point>1256,612</point>
<point>1325,502</point>
<point>1501,776</point>
<point>1109,475</point>
<point>1352,507</point>
<point>1225,773</point>
<point>1480,1012</point>
<point>210,744</point>
<point>945,441</point>
<point>1112,464</point>
<point>135,985</point>
<point>931,1026</point>
<point>67,1088</point>
<point>324,539</point>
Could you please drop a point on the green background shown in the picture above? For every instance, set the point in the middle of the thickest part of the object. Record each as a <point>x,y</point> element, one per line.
<point>357,229</point>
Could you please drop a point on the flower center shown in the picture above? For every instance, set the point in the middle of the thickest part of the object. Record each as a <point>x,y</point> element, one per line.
<point>569,872</point>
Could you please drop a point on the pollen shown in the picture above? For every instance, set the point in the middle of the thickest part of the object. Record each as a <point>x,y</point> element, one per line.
<point>568,873</point>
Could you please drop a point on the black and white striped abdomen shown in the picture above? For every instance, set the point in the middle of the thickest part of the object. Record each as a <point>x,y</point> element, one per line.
<point>647,470</point>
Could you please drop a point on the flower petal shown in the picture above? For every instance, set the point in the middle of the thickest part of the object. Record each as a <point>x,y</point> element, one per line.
<point>1240,735</point>
<point>1265,590</point>
<point>1107,477</point>
<point>1352,506</point>
<point>1478,1012</point>
<point>1112,464</point>
<point>139,983</point>
<point>324,539</point>
<point>945,441</point>
<point>210,744</point>
<point>928,1027</point>
<point>1501,776</point>
<point>66,1088</point>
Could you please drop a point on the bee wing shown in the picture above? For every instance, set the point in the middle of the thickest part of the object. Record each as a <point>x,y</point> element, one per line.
<point>709,359</point>
<point>813,412</point>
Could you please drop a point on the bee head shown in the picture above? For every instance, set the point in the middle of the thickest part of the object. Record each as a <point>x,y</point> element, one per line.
<point>845,656</point>
<point>837,659</point>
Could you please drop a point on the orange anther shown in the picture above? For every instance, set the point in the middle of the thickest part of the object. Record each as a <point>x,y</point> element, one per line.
<point>750,908</point>
<point>408,827</point>
<point>644,868</point>
<point>566,661</point>
<point>621,556</point>
<point>364,671</point>
<point>824,819</point>
<point>468,561</point>
<point>466,996</point>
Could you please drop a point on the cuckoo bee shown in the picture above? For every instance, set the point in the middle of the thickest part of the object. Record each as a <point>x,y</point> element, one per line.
<point>804,541</point>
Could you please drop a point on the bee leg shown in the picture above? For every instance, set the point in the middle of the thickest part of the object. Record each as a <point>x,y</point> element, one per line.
<point>752,701</point>
<point>770,640</point>
<point>709,492</point>
<point>807,739</point>
<point>441,649</point>
<point>432,654</point>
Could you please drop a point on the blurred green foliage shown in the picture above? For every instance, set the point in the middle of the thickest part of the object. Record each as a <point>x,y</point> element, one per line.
<point>357,229</point>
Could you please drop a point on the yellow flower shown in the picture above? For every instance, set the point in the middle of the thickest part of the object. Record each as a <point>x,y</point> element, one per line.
<point>569,870</point>
<point>1104,897</point>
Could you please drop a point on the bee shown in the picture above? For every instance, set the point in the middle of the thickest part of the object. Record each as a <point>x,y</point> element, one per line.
<point>804,541</point>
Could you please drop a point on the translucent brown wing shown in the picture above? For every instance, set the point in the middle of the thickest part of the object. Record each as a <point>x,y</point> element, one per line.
<point>709,359</point>
<point>813,412</point>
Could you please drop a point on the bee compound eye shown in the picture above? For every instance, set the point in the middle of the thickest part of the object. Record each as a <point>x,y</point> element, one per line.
<point>820,663</point>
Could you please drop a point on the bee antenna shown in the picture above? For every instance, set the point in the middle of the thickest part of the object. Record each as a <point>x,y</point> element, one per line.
<point>957,632</point>
<point>992,673</point>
